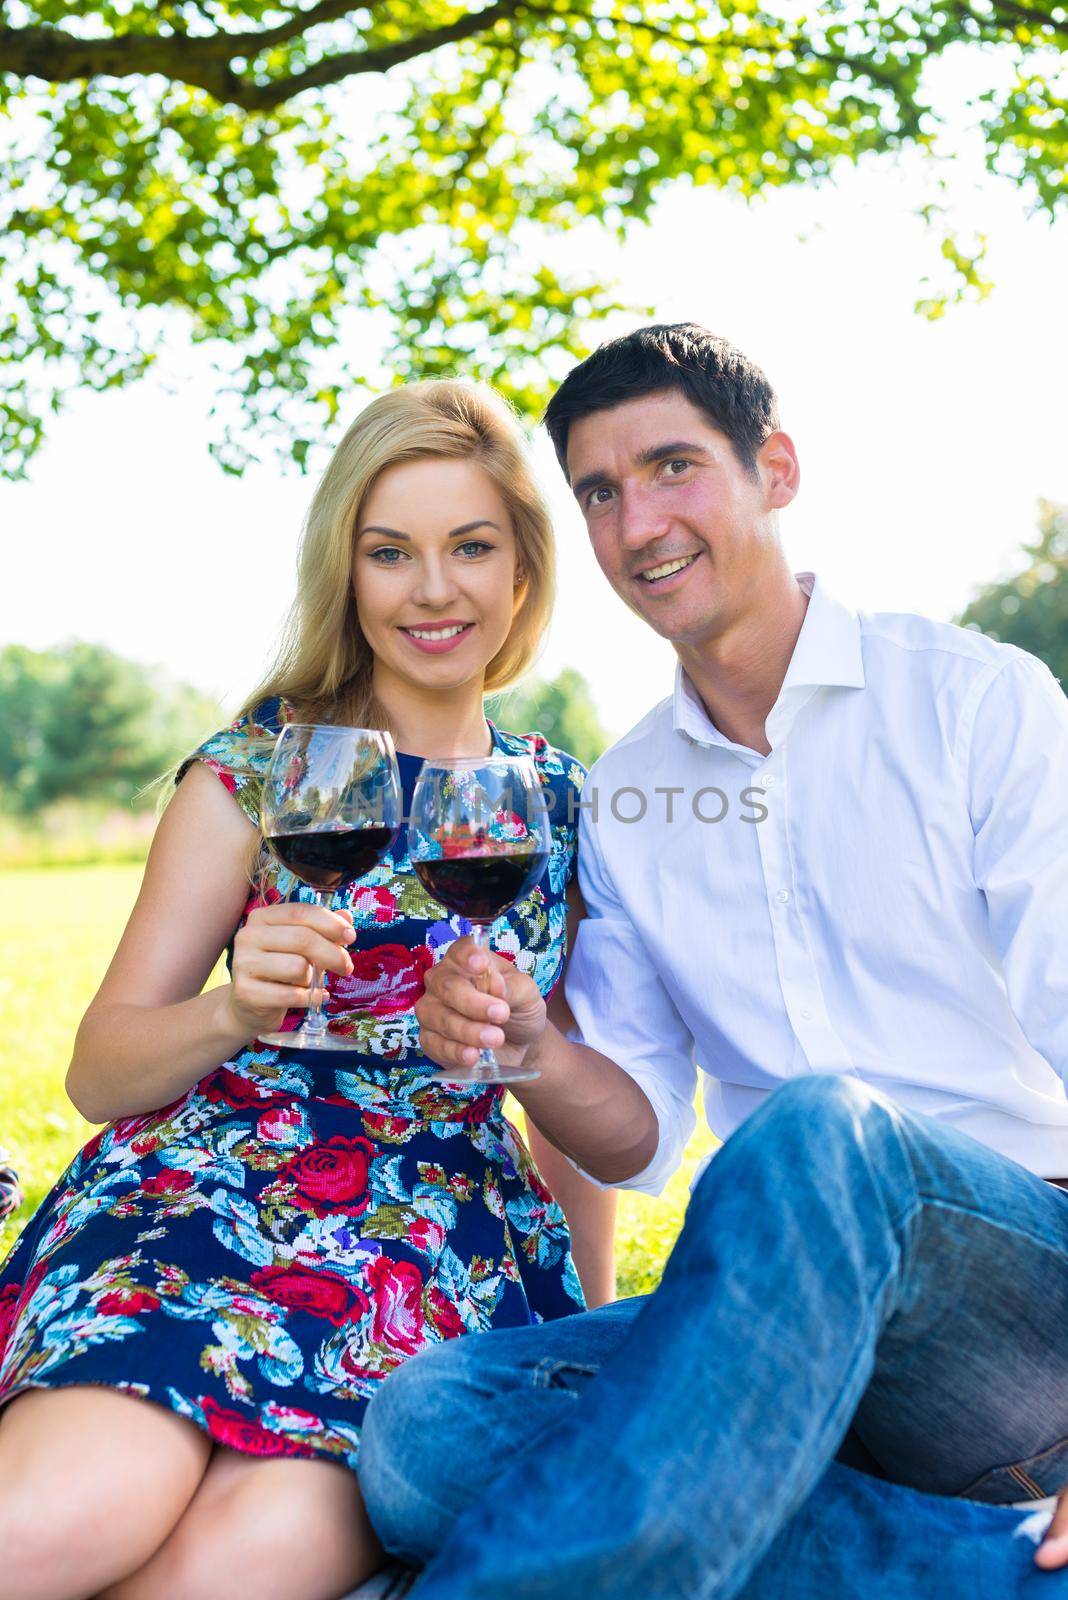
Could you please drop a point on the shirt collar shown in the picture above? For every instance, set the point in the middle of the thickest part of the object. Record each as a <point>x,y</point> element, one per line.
<point>827,655</point>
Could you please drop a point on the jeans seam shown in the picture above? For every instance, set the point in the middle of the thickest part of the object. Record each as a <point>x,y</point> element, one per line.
<point>1026,1482</point>
<point>941,1204</point>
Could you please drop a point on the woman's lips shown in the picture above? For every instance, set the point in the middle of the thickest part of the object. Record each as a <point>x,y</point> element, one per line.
<point>448,638</point>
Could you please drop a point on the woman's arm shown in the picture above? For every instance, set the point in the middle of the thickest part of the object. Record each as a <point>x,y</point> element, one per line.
<point>591,1217</point>
<point>149,1033</point>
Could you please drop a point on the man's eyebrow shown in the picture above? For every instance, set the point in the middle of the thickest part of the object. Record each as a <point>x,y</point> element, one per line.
<point>647,458</point>
<point>456,533</point>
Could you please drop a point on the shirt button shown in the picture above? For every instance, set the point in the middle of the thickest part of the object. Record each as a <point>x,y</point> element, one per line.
<point>806,1015</point>
<point>783,896</point>
<point>768,780</point>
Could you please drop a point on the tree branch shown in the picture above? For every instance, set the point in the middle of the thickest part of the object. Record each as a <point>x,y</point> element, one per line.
<point>204,63</point>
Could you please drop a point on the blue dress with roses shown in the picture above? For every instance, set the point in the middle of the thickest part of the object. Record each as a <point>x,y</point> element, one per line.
<point>260,1254</point>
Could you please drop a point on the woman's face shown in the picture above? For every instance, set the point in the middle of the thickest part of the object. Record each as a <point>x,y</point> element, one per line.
<point>434,572</point>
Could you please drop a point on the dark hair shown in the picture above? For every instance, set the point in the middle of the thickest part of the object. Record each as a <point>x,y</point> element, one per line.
<point>715,377</point>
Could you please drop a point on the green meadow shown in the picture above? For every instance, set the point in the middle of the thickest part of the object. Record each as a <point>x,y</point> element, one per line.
<point>58,927</point>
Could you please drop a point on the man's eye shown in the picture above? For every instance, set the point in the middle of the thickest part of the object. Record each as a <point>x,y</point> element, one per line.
<point>473,547</point>
<point>593,499</point>
<point>680,461</point>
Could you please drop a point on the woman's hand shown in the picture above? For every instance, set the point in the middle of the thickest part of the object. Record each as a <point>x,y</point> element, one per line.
<point>274,954</point>
<point>477,1001</point>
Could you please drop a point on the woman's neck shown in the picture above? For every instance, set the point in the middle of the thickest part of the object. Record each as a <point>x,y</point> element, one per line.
<point>427,723</point>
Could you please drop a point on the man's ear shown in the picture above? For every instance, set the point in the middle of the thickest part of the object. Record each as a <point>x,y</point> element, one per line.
<point>779,469</point>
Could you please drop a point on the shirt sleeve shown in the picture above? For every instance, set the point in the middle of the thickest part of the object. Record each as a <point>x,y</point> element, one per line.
<point>1017,773</point>
<point>622,1009</point>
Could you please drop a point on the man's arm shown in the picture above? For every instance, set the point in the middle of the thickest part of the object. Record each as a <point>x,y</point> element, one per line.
<point>1015,757</point>
<point>615,1094</point>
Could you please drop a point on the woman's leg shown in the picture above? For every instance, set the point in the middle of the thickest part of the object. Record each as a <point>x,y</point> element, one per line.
<point>262,1529</point>
<point>91,1483</point>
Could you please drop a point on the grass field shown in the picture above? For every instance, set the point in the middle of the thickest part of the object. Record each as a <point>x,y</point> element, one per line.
<point>58,927</point>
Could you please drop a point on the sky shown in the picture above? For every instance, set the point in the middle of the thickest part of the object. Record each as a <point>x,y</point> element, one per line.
<point>924,446</point>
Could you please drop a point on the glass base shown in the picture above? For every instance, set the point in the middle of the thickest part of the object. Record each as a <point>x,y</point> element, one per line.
<point>485,1074</point>
<point>301,1039</point>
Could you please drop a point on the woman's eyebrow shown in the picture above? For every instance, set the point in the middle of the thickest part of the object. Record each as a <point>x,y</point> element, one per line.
<point>457,533</point>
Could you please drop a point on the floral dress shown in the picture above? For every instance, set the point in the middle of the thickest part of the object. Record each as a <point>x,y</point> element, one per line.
<point>260,1254</point>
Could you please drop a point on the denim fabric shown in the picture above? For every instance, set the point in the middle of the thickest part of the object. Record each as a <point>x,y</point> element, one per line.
<point>842,1262</point>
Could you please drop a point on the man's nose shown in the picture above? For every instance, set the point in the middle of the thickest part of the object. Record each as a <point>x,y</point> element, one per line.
<point>641,522</point>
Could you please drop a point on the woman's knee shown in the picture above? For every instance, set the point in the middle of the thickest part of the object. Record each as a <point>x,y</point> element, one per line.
<point>91,1483</point>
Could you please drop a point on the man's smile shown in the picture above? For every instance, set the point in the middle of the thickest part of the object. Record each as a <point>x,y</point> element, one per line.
<point>659,576</point>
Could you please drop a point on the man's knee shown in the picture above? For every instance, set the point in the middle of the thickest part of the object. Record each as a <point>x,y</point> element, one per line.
<point>414,1451</point>
<point>815,1123</point>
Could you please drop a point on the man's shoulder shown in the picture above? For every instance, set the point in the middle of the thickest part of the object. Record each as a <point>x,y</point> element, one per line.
<point>632,751</point>
<point>939,649</point>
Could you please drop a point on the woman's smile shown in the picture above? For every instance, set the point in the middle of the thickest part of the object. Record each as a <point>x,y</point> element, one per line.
<point>434,638</point>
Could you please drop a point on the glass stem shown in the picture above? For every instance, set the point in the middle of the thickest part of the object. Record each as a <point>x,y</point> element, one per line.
<point>480,936</point>
<point>315,1021</point>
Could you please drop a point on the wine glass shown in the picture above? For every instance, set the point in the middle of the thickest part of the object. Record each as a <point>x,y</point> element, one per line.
<point>479,841</point>
<point>331,809</point>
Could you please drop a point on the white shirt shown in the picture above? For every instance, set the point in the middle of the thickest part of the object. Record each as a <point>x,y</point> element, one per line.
<point>901,913</point>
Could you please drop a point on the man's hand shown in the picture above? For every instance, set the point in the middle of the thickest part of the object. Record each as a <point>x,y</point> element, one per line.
<point>476,1001</point>
<point>1053,1551</point>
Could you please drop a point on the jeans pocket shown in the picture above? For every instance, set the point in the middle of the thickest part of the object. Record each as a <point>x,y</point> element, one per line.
<point>1034,1478</point>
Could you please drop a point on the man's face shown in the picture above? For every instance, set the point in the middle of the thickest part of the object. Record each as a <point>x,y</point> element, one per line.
<point>683,533</point>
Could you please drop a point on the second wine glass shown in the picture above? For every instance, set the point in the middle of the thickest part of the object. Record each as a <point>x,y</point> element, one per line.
<point>479,841</point>
<point>330,811</point>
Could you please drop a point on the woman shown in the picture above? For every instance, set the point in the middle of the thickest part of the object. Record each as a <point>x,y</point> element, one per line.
<point>256,1256</point>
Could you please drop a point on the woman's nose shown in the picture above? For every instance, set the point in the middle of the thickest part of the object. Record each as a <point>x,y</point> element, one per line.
<point>434,585</point>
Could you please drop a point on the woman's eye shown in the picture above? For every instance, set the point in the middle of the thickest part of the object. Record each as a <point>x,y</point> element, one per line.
<point>473,547</point>
<point>388,556</point>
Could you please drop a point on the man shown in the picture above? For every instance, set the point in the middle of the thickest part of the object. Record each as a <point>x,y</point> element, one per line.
<point>854,894</point>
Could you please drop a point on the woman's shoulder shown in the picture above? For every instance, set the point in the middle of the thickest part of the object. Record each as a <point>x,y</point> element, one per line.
<point>554,765</point>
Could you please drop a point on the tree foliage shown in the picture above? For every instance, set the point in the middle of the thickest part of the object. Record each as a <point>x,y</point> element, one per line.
<point>562,709</point>
<point>267,171</point>
<point>1031,609</point>
<point>80,722</point>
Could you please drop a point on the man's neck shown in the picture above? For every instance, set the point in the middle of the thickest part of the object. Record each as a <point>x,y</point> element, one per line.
<point>738,673</point>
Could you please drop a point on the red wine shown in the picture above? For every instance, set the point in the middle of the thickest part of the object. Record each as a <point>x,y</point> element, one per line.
<point>333,857</point>
<point>482,888</point>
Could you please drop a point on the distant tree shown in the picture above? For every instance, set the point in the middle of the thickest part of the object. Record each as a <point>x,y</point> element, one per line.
<point>562,709</point>
<point>80,722</point>
<point>1031,609</point>
<point>200,158</point>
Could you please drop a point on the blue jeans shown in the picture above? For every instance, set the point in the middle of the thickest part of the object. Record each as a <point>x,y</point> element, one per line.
<point>845,1269</point>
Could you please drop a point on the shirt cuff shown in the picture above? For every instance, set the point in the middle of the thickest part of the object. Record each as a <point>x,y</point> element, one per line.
<point>674,1124</point>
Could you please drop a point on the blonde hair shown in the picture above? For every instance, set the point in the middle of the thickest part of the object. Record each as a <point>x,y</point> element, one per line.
<point>324,664</point>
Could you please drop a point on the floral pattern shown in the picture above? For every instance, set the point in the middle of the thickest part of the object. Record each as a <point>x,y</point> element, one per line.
<point>261,1253</point>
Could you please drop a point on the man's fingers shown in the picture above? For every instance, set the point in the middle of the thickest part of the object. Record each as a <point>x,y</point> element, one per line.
<point>442,1022</point>
<point>457,993</point>
<point>1053,1551</point>
<point>445,1052</point>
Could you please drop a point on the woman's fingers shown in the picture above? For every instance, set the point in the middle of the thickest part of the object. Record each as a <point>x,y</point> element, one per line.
<point>257,942</point>
<point>335,925</point>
